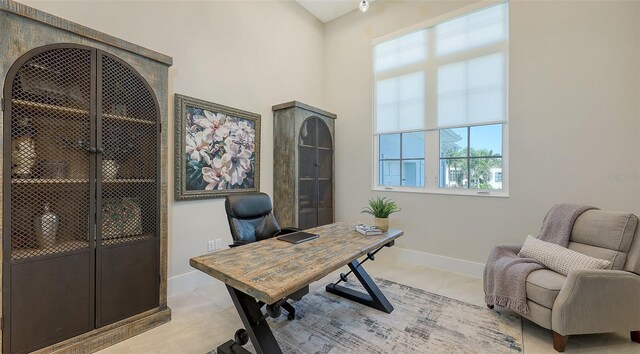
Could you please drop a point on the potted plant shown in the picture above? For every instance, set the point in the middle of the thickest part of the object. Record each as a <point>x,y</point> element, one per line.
<point>381,208</point>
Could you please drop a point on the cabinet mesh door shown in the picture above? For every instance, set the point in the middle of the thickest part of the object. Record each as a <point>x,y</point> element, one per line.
<point>128,218</point>
<point>50,135</point>
<point>308,174</point>
<point>325,174</point>
<point>47,235</point>
<point>130,156</point>
<point>315,201</point>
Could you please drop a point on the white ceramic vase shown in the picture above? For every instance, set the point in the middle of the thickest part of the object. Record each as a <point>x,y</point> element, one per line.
<point>46,226</point>
<point>110,169</point>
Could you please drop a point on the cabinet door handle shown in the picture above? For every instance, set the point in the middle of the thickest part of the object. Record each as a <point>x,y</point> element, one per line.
<point>92,150</point>
<point>99,150</point>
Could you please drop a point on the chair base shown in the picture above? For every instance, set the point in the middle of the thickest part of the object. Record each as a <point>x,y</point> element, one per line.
<point>635,336</point>
<point>559,342</point>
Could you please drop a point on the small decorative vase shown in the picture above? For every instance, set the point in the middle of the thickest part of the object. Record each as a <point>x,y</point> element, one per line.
<point>23,149</point>
<point>110,169</point>
<point>46,226</point>
<point>381,223</point>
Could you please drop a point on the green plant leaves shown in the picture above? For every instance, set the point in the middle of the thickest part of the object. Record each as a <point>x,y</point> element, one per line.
<point>381,207</point>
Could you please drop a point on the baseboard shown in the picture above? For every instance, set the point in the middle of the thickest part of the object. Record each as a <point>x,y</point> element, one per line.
<point>187,281</point>
<point>454,265</point>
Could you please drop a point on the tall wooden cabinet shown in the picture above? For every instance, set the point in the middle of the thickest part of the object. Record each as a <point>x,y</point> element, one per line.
<point>303,184</point>
<point>83,186</point>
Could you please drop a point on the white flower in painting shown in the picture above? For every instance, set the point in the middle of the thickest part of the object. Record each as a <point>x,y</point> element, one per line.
<point>209,120</point>
<point>213,176</point>
<point>235,162</point>
<point>199,147</point>
<point>221,132</point>
<point>214,125</point>
<point>245,125</point>
<point>245,138</point>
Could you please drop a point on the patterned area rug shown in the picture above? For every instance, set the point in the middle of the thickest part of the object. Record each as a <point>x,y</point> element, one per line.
<point>422,322</point>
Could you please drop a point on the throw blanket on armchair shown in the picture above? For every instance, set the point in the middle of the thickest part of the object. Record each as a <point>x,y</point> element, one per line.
<point>506,273</point>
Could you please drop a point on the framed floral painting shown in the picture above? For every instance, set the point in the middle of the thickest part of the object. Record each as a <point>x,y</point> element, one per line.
<point>217,150</point>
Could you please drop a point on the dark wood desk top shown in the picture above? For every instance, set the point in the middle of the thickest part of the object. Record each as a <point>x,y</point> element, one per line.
<point>270,270</point>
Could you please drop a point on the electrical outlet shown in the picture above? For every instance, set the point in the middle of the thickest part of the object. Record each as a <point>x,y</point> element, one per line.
<point>218,243</point>
<point>211,246</point>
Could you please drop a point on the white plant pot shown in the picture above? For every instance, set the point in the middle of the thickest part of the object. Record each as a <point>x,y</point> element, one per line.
<point>381,223</point>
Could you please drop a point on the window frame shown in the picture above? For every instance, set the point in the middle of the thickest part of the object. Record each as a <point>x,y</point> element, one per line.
<point>432,135</point>
<point>468,158</point>
<point>402,159</point>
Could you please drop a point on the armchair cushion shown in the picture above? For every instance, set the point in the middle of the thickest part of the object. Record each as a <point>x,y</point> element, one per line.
<point>605,235</point>
<point>558,258</point>
<point>543,286</point>
<point>606,229</point>
<point>616,258</point>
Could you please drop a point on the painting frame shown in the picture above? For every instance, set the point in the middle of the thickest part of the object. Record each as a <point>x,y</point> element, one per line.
<point>184,105</point>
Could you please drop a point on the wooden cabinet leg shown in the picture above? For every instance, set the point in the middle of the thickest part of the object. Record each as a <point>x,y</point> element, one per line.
<point>559,342</point>
<point>635,336</point>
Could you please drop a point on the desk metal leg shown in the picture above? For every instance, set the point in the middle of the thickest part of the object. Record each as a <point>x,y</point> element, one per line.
<point>257,328</point>
<point>375,298</point>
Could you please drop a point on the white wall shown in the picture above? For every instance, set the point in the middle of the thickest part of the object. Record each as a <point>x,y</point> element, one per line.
<point>248,55</point>
<point>574,121</point>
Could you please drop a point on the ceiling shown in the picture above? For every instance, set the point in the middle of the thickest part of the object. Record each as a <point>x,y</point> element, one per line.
<point>327,10</point>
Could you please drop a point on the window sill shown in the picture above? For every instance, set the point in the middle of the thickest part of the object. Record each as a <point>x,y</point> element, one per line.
<point>457,192</point>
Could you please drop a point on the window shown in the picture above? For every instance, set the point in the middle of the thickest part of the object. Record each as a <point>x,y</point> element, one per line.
<point>440,104</point>
<point>472,156</point>
<point>402,159</point>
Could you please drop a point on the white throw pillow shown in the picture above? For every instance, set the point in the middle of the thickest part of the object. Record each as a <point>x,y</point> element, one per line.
<point>558,258</point>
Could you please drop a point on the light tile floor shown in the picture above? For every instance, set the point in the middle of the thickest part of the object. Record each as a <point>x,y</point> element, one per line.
<point>204,318</point>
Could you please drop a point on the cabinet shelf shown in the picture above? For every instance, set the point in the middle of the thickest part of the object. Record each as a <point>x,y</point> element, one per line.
<point>69,246</point>
<point>60,247</point>
<point>126,239</point>
<point>128,119</point>
<point>48,181</point>
<point>62,109</point>
<point>312,210</point>
<point>129,180</point>
<point>315,147</point>
<point>76,181</point>
<point>48,107</point>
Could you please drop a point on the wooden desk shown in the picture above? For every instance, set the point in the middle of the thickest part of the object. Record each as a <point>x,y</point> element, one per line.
<point>271,270</point>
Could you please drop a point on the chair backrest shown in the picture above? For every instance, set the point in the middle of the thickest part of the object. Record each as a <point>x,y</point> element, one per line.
<point>250,217</point>
<point>608,235</point>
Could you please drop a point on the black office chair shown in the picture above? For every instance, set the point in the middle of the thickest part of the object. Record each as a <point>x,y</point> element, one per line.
<point>251,220</point>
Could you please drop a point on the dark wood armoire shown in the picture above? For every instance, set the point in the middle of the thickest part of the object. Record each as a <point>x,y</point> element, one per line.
<point>83,185</point>
<point>303,155</point>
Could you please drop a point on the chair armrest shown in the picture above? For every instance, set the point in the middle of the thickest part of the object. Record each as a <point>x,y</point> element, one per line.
<point>287,230</point>
<point>238,243</point>
<point>597,301</point>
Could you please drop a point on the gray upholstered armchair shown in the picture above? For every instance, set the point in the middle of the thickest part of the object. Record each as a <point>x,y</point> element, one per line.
<point>592,301</point>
